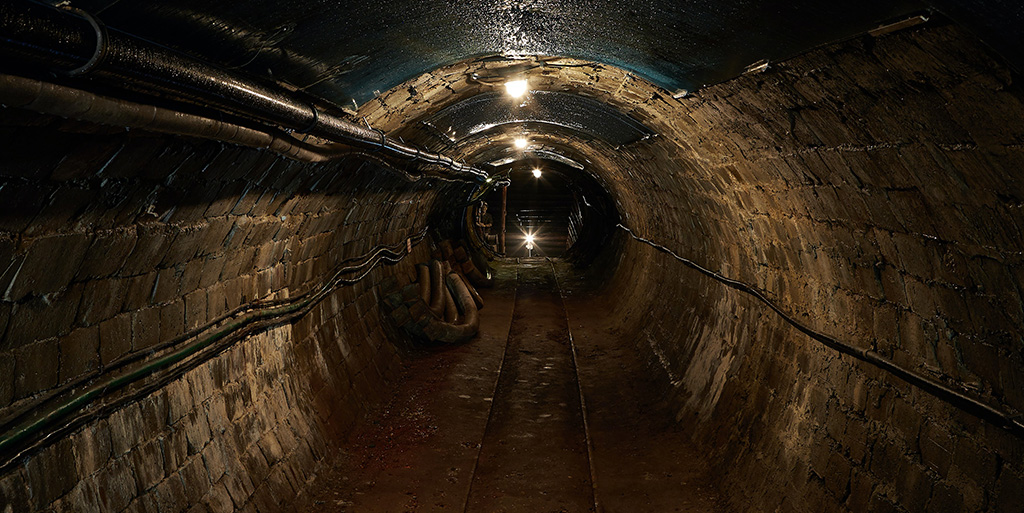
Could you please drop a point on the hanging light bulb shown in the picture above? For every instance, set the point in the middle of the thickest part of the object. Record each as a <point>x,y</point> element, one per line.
<point>516,88</point>
<point>536,172</point>
<point>520,142</point>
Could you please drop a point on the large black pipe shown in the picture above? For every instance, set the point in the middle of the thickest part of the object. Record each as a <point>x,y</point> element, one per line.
<point>74,43</point>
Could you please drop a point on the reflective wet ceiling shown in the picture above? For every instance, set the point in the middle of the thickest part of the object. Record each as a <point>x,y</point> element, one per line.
<point>345,51</point>
<point>493,110</point>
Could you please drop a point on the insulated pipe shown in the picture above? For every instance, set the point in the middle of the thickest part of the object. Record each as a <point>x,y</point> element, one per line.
<point>475,276</point>
<point>451,312</point>
<point>456,333</point>
<point>472,292</point>
<point>480,263</point>
<point>423,277</point>
<point>464,326</point>
<point>71,103</point>
<point>471,322</point>
<point>436,289</point>
<point>76,44</point>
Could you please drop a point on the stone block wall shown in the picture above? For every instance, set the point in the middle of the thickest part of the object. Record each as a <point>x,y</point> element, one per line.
<point>114,242</point>
<point>872,189</point>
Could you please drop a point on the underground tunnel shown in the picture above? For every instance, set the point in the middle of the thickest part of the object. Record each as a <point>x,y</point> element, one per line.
<point>536,256</point>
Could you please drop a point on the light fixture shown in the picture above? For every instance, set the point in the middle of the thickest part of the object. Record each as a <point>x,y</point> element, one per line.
<point>516,88</point>
<point>520,142</point>
<point>529,242</point>
<point>536,172</point>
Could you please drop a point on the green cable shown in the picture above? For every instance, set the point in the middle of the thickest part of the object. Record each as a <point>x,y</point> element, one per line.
<point>28,428</point>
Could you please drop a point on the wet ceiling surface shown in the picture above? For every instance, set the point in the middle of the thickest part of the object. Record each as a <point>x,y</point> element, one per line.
<point>570,111</point>
<point>344,51</point>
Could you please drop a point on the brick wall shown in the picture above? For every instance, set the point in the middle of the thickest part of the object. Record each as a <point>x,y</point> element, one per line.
<point>113,242</point>
<point>870,187</point>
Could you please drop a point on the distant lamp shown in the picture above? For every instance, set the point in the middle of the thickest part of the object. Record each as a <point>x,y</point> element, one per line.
<point>516,88</point>
<point>520,142</point>
<point>536,172</point>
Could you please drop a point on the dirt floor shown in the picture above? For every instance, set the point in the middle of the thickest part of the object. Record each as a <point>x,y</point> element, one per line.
<point>547,410</point>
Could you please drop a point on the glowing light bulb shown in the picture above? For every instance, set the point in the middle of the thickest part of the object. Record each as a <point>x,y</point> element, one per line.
<point>516,88</point>
<point>536,173</point>
<point>529,239</point>
<point>520,142</point>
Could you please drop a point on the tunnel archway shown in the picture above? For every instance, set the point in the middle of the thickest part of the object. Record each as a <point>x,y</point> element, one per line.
<point>564,210</point>
<point>814,264</point>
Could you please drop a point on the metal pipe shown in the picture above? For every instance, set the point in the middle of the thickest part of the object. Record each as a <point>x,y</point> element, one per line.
<point>470,324</point>
<point>451,312</point>
<point>71,103</point>
<point>423,278</point>
<point>477,299</point>
<point>436,289</point>
<point>68,42</point>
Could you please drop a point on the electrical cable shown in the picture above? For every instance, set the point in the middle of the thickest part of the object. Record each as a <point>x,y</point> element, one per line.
<point>71,103</point>
<point>58,40</point>
<point>1010,422</point>
<point>101,44</point>
<point>19,431</point>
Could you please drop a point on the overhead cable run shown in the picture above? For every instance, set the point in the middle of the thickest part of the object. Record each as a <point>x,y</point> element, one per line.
<point>76,44</point>
<point>1011,422</point>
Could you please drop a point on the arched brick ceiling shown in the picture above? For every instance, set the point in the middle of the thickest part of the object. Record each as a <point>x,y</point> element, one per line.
<point>346,51</point>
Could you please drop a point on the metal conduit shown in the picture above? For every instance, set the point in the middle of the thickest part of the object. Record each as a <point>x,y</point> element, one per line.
<point>71,103</point>
<point>998,417</point>
<point>75,43</point>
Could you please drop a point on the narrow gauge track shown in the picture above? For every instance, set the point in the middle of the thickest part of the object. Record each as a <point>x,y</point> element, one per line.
<point>550,409</point>
<point>535,453</point>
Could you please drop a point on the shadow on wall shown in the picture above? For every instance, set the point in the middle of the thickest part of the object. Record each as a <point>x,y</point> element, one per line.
<point>120,243</point>
<point>868,187</point>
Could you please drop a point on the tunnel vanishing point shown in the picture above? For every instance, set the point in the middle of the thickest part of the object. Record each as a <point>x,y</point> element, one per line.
<point>503,256</point>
